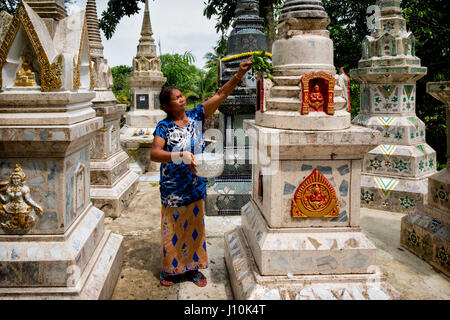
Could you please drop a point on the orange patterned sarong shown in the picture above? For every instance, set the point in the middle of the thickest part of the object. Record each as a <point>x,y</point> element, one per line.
<point>183,238</point>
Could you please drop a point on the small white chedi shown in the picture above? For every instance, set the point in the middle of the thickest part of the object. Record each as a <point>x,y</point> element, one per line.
<point>395,172</point>
<point>56,247</point>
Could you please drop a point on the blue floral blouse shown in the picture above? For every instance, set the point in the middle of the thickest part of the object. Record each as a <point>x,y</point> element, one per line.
<point>178,185</point>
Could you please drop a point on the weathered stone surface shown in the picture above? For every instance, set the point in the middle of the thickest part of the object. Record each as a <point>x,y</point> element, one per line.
<point>231,191</point>
<point>47,129</point>
<point>426,232</point>
<point>300,236</point>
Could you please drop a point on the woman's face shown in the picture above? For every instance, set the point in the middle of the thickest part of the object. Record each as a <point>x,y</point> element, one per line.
<point>177,101</point>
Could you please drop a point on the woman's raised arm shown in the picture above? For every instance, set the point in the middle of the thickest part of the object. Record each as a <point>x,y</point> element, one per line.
<point>214,102</point>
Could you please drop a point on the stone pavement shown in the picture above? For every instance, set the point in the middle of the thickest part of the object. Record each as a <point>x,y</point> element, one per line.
<point>140,226</point>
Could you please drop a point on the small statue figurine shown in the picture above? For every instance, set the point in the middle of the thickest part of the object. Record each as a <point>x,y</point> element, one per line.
<point>16,204</point>
<point>316,98</point>
<point>316,198</point>
<point>24,76</point>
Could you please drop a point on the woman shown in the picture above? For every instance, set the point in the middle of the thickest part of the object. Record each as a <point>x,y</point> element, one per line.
<point>176,139</point>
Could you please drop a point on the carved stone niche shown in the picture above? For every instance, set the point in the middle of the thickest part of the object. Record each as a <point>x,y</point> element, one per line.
<point>318,93</point>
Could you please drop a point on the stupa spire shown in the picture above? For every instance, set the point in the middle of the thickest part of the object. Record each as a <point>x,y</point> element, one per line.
<point>146,24</point>
<point>95,40</point>
<point>147,46</point>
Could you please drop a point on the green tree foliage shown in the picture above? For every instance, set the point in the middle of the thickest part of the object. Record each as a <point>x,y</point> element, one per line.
<point>204,87</point>
<point>179,70</point>
<point>11,5</point>
<point>429,22</point>
<point>121,87</point>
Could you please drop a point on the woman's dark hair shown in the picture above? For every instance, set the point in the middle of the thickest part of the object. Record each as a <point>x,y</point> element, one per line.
<point>164,97</point>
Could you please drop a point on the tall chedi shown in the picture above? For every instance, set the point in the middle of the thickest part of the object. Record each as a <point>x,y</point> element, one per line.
<point>300,236</point>
<point>232,190</point>
<point>113,184</point>
<point>426,232</point>
<point>53,242</point>
<point>50,11</point>
<point>145,82</point>
<point>395,172</point>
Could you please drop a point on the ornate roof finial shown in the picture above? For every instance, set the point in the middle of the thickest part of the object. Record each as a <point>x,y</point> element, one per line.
<point>147,46</point>
<point>95,40</point>
<point>146,24</point>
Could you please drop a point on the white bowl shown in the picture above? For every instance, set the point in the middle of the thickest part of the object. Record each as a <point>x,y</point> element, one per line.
<point>210,165</point>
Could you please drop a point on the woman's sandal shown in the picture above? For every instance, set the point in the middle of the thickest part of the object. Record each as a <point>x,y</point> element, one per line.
<point>198,278</point>
<point>164,280</point>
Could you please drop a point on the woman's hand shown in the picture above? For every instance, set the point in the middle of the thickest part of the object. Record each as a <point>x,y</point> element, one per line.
<point>211,105</point>
<point>189,159</point>
<point>243,68</point>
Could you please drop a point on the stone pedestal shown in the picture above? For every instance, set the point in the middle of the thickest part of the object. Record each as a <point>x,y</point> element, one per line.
<point>113,184</point>
<point>395,172</point>
<point>227,194</point>
<point>63,250</point>
<point>145,82</point>
<point>300,236</point>
<point>426,232</point>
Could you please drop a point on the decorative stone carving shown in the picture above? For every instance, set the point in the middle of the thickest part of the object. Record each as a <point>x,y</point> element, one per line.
<point>318,93</point>
<point>16,205</point>
<point>24,76</point>
<point>426,231</point>
<point>50,71</point>
<point>145,64</point>
<point>396,171</point>
<point>315,198</point>
<point>66,253</point>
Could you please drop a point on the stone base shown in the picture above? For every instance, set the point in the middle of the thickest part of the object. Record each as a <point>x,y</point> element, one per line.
<point>82,263</point>
<point>315,121</point>
<point>248,284</point>
<point>426,233</point>
<point>97,281</point>
<point>306,250</point>
<point>227,197</point>
<point>145,118</point>
<point>113,200</point>
<point>138,148</point>
<point>393,194</point>
<point>439,190</point>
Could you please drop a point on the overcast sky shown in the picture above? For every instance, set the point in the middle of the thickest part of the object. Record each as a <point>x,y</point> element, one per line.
<point>178,24</point>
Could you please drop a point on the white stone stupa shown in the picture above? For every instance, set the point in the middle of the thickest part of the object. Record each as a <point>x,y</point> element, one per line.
<point>300,237</point>
<point>146,82</point>
<point>53,242</point>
